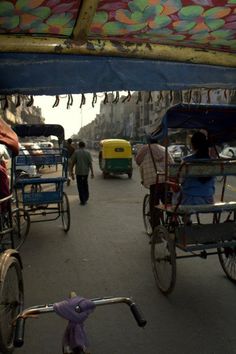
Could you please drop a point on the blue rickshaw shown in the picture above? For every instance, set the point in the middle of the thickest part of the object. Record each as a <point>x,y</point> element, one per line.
<point>43,197</point>
<point>184,230</point>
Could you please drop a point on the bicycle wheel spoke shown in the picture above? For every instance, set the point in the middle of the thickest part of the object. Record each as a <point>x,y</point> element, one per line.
<point>21,225</point>
<point>227,258</point>
<point>163,259</point>
<point>147,215</point>
<point>65,212</point>
<point>11,301</point>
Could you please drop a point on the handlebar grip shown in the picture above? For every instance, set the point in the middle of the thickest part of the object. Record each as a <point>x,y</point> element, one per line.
<point>19,332</point>
<point>138,315</point>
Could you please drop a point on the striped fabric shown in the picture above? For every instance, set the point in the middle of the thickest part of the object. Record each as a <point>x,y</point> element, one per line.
<point>147,169</point>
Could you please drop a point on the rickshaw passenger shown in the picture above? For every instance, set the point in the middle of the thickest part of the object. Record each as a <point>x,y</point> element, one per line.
<point>198,190</point>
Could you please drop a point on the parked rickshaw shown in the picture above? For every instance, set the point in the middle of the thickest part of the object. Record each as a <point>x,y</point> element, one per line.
<point>43,197</point>
<point>12,222</point>
<point>184,230</point>
<point>115,157</point>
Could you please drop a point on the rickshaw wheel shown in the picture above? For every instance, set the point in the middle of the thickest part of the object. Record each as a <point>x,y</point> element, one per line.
<point>227,258</point>
<point>65,212</point>
<point>21,226</point>
<point>163,259</point>
<point>11,302</point>
<point>130,175</point>
<point>147,215</point>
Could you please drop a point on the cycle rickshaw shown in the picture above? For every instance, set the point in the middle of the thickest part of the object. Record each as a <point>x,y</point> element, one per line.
<point>14,226</point>
<point>14,221</point>
<point>177,236</point>
<point>43,197</point>
<point>55,48</point>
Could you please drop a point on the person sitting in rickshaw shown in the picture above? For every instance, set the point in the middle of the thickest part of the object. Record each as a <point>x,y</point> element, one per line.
<point>198,190</point>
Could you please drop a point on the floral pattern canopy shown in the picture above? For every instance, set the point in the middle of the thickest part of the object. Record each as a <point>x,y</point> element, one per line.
<point>202,24</point>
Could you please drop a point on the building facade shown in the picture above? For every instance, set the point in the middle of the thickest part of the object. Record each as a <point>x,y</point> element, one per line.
<point>135,115</point>
<point>20,110</point>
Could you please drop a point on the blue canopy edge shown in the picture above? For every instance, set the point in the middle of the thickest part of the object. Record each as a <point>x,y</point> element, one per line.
<point>54,74</point>
<point>37,130</point>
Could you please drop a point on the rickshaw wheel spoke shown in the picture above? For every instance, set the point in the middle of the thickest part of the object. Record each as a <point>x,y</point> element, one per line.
<point>65,212</point>
<point>163,259</point>
<point>21,226</point>
<point>227,258</point>
<point>147,215</point>
<point>11,302</point>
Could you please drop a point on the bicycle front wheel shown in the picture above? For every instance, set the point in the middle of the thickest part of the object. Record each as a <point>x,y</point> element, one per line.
<point>163,259</point>
<point>147,215</point>
<point>21,226</point>
<point>65,212</point>
<point>227,258</point>
<point>11,301</point>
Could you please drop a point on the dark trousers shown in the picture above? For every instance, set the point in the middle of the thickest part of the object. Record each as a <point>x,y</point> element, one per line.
<point>157,195</point>
<point>82,185</point>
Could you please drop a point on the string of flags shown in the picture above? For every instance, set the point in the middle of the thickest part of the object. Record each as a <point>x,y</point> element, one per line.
<point>186,96</point>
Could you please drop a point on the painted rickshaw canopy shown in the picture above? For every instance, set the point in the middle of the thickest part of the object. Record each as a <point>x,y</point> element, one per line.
<point>121,44</point>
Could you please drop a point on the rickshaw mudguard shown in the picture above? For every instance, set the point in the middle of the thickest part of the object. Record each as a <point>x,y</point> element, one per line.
<point>5,257</point>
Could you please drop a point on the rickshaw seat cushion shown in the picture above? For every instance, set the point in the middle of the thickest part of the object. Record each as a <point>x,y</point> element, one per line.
<point>203,208</point>
<point>198,168</point>
<point>27,181</point>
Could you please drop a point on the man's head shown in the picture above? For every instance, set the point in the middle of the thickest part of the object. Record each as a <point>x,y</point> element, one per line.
<point>81,145</point>
<point>199,141</point>
<point>69,141</point>
<point>151,140</point>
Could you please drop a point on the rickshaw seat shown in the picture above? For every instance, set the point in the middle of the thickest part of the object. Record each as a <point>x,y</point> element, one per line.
<point>202,168</point>
<point>27,181</point>
<point>197,168</point>
<point>203,208</point>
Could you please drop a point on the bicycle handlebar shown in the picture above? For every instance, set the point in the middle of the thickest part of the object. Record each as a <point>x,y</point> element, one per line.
<point>41,309</point>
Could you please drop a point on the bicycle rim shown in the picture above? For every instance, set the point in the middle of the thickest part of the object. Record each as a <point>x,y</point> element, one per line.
<point>147,215</point>
<point>227,258</point>
<point>21,226</point>
<point>11,302</point>
<point>163,260</point>
<point>65,212</point>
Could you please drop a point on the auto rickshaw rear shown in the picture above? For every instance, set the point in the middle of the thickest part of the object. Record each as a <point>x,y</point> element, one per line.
<point>115,157</point>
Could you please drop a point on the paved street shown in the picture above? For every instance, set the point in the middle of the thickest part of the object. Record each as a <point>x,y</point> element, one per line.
<point>106,252</point>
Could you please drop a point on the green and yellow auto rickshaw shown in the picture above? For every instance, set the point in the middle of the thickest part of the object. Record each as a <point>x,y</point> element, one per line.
<point>115,157</point>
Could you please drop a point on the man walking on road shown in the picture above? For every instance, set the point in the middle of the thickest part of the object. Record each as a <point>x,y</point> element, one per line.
<point>82,160</point>
<point>151,159</point>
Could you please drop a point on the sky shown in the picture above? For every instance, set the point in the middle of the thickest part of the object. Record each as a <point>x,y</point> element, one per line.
<point>71,119</point>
